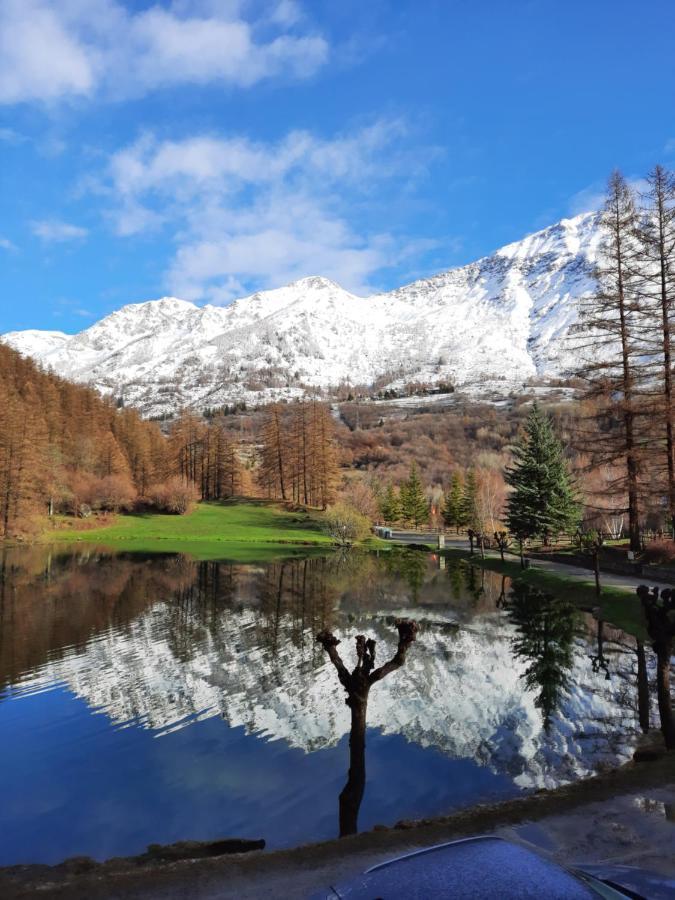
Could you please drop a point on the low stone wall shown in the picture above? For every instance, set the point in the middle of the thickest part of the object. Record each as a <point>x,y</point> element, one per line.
<point>583,561</point>
<point>613,566</point>
<point>658,573</point>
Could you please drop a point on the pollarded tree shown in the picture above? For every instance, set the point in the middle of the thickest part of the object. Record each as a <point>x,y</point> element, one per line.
<point>357,684</point>
<point>543,499</point>
<point>414,504</point>
<point>452,506</point>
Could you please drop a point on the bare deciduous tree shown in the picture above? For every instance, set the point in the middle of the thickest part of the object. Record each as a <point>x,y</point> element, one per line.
<point>357,684</point>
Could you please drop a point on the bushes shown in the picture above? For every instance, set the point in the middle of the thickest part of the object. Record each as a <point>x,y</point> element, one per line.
<point>660,552</point>
<point>359,496</point>
<point>111,493</point>
<point>345,525</point>
<point>173,496</point>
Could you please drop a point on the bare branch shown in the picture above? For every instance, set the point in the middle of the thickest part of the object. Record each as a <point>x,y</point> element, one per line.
<point>407,631</point>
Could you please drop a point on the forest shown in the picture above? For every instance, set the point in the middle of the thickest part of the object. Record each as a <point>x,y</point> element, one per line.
<point>65,449</point>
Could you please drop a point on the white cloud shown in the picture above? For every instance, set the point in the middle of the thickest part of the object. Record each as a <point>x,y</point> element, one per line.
<point>39,57</point>
<point>246,215</point>
<point>75,48</point>
<point>592,197</point>
<point>588,199</point>
<point>10,136</point>
<point>52,230</point>
<point>6,244</point>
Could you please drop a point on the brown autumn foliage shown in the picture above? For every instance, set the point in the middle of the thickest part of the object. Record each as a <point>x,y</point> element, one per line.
<point>660,552</point>
<point>175,495</point>
<point>297,453</point>
<point>59,441</point>
<point>65,448</point>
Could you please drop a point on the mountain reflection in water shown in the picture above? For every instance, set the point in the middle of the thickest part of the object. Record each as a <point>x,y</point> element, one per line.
<point>153,699</point>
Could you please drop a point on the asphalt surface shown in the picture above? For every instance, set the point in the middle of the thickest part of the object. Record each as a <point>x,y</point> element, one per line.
<point>574,573</point>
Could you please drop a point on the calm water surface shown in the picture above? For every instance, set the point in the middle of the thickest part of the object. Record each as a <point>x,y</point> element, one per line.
<point>156,699</point>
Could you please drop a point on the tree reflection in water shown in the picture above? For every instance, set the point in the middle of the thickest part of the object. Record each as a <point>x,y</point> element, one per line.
<point>357,684</point>
<point>546,626</point>
<point>659,609</point>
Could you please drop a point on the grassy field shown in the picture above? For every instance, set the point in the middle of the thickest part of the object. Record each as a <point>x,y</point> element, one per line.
<point>237,530</point>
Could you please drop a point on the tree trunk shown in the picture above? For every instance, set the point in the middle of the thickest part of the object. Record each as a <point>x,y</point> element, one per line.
<point>596,568</point>
<point>663,652</point>
<point>642,687</point>
<point>352,793</point>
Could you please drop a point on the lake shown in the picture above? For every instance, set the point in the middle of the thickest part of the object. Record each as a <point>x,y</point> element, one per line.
<point>150,699</point>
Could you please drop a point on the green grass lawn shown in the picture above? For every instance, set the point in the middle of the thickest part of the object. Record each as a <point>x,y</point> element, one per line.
<point>245,530</point>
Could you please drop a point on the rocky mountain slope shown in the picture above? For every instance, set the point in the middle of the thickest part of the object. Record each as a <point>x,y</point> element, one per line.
<point>501,320</point>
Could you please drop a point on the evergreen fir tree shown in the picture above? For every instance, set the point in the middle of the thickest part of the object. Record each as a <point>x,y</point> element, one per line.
<point>414,505</point>
<point>452,506</point>
<point>546,626</point>
<point>470,517</point>
<point>390,505</point>
<point>543,500</point>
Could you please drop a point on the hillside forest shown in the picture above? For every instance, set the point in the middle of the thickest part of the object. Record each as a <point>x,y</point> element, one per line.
<point>65,449</point>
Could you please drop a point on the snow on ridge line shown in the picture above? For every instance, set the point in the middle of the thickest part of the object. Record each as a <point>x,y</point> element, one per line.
<point>504,318</point>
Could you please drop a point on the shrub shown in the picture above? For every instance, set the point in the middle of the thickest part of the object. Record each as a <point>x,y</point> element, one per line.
<point>173,496</point>
<point>660,552</point>
<point>359,496</point>
<point>346,525</point>
<point>115,492</point>
<point>110,493</point>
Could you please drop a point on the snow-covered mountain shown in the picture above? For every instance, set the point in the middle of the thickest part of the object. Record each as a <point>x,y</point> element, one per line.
<point>501,319</point>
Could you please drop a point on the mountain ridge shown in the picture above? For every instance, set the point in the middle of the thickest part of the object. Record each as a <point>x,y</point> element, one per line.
<point>501,319</point>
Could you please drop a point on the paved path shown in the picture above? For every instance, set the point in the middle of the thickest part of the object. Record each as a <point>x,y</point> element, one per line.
<point>574,573</point>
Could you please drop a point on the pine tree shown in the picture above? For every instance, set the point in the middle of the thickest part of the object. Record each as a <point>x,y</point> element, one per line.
<point>470,516</point>
<point>414,504</point>
<point>390,506</point>
<point>545,631</point>
<point>452,506</point>
<point>543,499</point>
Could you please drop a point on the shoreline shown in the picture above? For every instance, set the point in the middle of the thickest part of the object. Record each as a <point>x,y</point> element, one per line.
<point>229,875</point>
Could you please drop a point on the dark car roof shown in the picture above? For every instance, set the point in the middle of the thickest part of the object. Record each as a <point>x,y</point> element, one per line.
<point>471,869</point>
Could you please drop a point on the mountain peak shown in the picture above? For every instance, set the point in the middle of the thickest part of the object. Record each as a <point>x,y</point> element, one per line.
<point>315,283</point>
<point>500,320</point>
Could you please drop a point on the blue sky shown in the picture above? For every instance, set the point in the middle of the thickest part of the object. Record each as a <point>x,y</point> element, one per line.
<point>209,148</point>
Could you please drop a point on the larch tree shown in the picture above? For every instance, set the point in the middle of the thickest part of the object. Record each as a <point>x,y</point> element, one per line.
<point>607,340</point>
<point>657,279</point>
<point>274,465</point>
<point>298,459</point>
<point>56,437</point>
